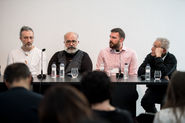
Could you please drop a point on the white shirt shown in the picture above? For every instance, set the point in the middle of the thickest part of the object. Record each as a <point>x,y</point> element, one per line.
<point>167,116</point>
<point>32,59</point>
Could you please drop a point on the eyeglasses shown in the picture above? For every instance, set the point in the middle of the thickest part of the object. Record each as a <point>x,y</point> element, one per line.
<point>157,47</point>
<point>70,41</point>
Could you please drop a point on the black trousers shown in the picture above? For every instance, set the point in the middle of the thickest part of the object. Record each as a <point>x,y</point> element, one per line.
<point>155,94</point>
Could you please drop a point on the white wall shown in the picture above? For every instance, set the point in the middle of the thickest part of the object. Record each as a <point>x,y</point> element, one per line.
<point>142,20</point>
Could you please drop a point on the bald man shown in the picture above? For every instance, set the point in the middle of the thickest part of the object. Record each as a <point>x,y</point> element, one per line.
<point>71,56</point>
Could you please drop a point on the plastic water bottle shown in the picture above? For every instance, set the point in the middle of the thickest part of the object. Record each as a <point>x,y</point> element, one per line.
<point>62,70</point>
<point>101,67</point>
<point>147,72</point>
<point>53,70</point>
<point>126,71</point>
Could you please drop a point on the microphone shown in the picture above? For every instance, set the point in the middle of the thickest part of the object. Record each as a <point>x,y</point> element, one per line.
<point>42,76</point>
<point>119,74</point>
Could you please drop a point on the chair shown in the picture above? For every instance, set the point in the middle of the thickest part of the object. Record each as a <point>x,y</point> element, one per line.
<point>145,118</point>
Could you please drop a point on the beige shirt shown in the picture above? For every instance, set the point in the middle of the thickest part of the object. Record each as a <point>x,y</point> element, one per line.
<point>32,59</point>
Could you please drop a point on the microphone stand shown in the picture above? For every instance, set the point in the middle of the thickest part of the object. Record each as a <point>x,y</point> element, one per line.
<point>119,75</point>
<point>41,76</point>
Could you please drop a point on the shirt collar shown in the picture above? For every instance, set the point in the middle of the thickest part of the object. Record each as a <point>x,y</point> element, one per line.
<point>123,49</point>
<point>164,56</point>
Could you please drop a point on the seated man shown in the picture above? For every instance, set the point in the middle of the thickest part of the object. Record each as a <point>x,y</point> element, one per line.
<point>96,87</point>
<point>158,59</point>
<point>117,55</point>
<point>71,56</point>
<point>28,54</point>
<point>18,104</point>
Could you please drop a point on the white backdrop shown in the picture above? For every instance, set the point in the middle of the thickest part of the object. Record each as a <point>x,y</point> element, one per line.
<point>142,20</point>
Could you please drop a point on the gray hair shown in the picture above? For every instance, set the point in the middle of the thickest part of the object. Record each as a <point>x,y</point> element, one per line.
<point>25,28</point>
<point>71,33</point>
<point>164,43</point>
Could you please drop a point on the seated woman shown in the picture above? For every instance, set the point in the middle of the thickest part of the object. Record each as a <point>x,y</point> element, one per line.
<point>173,110</point>
<point>64,104</point>
<point>96,87</point>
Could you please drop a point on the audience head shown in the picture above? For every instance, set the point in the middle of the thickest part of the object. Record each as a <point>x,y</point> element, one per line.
<point>96,86</point>
<point>27,37</point>
<point>117,37</point>
<point>71,42</point>
<point>64,104</point>
<point>95,120</point>
<point>17,74</point>
<point>176,91</point>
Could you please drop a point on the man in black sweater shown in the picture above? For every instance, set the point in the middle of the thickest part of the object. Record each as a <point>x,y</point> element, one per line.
<point>18,104</point>
<point>71,56</point>
<point>158,59</point>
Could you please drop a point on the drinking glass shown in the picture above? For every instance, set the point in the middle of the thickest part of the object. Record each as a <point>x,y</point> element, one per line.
<point>157,75</point>
<point>74,72</point>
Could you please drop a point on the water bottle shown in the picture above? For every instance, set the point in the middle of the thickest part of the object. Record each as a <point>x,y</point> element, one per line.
<point>62,70</point>
<point>101,67</point>
<point>126,71</point>
<point>147,72</point>
<point>53,70</point>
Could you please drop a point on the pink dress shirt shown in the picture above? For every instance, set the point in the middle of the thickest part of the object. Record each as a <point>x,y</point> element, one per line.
<point>112,59</point>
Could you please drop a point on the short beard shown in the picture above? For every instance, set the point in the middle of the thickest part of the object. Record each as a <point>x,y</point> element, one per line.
<point>71,50</point>
<point>27,46</point>
<point>114,46</point>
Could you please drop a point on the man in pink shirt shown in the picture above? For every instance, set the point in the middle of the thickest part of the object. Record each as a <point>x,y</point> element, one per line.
<point>116,55</point>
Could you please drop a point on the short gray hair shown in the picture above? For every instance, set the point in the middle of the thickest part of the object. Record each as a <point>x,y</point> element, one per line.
<point>25,28</point>
<point>164,43</point>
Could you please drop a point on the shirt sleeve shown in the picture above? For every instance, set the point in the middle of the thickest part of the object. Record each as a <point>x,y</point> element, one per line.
<point>99,60</point>
<point>141,70</point>
<point>168,66</point>
<point>86,65</point>
<point>156,118</point>
<point>133,64</point>
<point>10,58</point>
<point>53,59</point>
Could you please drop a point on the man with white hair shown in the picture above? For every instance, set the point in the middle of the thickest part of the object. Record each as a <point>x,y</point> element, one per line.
<point>158,59</point>
<point>71,56</point>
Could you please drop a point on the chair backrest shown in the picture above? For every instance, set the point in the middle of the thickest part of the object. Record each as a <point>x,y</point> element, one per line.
<point>145,118</point>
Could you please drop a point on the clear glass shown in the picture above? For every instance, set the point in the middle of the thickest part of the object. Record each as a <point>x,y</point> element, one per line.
<point>74,72</point>
<point>157,75</point>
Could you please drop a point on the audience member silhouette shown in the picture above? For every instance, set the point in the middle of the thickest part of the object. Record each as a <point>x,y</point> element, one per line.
<point>96,87</point>
<point>173,110</point>
<point>64,105</point>
<point>18,104</point>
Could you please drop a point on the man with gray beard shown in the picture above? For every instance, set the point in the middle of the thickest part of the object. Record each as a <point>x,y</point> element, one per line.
<point>71,56</point>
